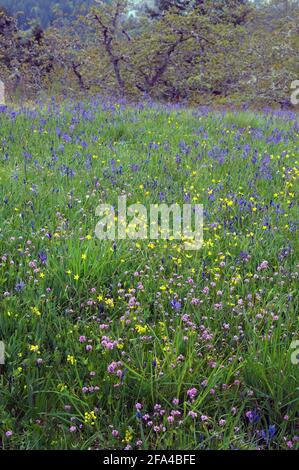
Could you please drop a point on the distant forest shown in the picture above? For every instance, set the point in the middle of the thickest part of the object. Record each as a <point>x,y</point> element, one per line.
<point>44,12</point>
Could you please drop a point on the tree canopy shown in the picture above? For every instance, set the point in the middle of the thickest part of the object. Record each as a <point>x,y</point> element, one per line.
<point>194,51</point>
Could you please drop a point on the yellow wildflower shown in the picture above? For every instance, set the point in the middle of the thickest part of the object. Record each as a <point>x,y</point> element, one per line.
<point>71,359</point>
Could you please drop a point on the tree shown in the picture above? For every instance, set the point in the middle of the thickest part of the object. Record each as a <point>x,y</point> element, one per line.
<point>108,23</point>
<point>23,57</point>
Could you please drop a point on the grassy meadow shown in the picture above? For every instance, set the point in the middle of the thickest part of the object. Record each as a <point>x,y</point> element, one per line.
<point>141,344</point>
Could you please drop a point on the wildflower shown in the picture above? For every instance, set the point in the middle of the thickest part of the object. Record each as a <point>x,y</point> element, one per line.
<point>71,359</point>
<point>271,431</point>
<point>61,387</point>
<point>252,416</point>
<point>112,367</point>
<point>42,256</point>
<point>76,277</point>
<point>109,303</point>
<point>192,392</point>
<point>8,434</point>
<point>141,329</point>
<point>35,311</point>
<point>128,436</point>
<point>90,418</point>
<point>264,265</point>
<point>175,304</point>
<point>19,286</point>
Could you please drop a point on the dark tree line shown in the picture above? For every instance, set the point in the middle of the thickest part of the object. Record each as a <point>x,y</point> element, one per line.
<point>44,12</point>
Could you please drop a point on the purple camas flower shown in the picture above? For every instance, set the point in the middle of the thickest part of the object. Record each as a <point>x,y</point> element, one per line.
<point>175,304</point>
<point>252,416</point>
<point>42,256</point>
<point>269,434</point>
<point>19,286</point>
<point>27,155</point>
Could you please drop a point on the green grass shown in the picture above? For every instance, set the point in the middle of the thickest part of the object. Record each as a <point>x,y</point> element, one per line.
<point>243,168</point>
